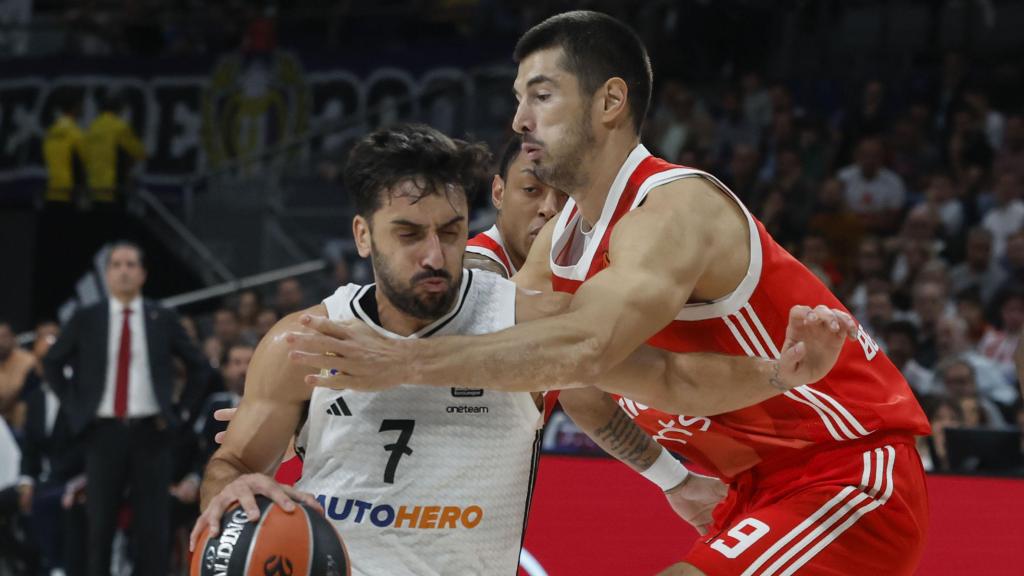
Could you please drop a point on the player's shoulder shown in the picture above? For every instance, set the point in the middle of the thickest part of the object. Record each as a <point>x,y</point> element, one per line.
<point>696,200</point>
<point>487,284</point>
<point>336,305</point>
<point>488,295</point>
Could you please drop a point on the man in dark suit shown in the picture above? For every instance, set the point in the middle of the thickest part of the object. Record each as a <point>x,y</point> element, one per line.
<point>120,404</point>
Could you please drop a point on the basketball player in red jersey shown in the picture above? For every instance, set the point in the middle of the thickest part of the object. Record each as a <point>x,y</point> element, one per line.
<point>824,478</point>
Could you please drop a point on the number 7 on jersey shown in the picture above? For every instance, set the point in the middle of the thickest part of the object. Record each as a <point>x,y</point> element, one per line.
<point>399,447</point>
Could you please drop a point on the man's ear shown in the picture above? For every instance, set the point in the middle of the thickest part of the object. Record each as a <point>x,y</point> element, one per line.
<point>497,191</point>
<point>361,233</point>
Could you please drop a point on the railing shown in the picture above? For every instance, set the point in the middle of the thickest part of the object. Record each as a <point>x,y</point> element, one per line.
<point>224,288</point>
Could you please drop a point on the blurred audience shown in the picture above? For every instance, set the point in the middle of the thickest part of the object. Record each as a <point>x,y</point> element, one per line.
<point>289,297</point>
<point>15,365</point>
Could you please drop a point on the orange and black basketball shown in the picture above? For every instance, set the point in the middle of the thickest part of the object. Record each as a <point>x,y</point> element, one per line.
<point>277,544</point>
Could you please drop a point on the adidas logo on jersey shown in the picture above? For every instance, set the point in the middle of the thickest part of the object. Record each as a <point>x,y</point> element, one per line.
<point>339,408</point>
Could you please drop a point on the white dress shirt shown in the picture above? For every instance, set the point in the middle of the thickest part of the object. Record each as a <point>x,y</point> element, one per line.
<point>10,457</point>
<point>141,397</point>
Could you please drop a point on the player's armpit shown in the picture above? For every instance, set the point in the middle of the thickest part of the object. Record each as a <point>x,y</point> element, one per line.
<point>270,410</point>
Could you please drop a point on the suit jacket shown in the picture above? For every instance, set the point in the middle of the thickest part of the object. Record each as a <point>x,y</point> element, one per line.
<point>83,346</point>
<point>56,447</point>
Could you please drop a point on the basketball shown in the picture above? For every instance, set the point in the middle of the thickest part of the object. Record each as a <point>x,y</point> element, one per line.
<point>278,544</point>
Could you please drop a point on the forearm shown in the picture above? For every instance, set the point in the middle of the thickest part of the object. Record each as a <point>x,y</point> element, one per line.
<point>609,427</point>
<point>222,470</point>
<point>533,356</point>
<point>694,384</point>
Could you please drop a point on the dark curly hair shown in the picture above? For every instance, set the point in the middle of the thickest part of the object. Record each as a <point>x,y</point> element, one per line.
<point>434,162</point>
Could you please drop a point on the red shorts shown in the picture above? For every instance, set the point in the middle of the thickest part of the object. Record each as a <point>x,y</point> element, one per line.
<point>853,509</point>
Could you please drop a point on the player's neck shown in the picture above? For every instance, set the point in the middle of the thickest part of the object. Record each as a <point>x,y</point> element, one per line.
<point>602,167</point>
<point>394,320</point>
<point>125,298</point>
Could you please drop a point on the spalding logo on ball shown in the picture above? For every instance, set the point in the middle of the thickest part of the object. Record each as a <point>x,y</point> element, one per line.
<point>278,544</point>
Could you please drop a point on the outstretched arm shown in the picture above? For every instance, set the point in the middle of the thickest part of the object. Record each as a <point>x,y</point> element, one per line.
<point>705,384</point>
<point>657,253</point>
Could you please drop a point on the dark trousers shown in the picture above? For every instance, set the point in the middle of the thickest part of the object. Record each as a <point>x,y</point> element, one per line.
<point>135,455</point>
<point>58,533</point>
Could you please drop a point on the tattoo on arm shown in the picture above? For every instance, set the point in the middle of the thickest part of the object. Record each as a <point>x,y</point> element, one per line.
<point>626,441</point>
<point>776,381</point>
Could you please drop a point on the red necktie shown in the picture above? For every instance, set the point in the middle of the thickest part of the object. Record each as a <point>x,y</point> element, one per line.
<point>124,359</point>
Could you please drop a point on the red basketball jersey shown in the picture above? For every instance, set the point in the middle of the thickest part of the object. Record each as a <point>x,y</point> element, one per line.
<point>863,395</point>
<point>490,244</point>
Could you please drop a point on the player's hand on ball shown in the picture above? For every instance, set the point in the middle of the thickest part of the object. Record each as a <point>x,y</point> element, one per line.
<point>695,498</point>
<point>244,490</point>
<point>350,355</point>
<point>814,339</point>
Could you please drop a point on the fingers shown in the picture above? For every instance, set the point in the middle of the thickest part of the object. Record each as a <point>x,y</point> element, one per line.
<point>224,414</point>
<point>332,364</point>
<point>326,326</point>
<point>827,317</point>
<point>798,315</point>
<point>304,497</point>
<point>210,518</point>
<point>848,323</point>
<point>315,343</point>
<point>244,491</point>
<point>201,523</point>
<point>336,382</point>
<point>834,320</point>
<point>219,437</point>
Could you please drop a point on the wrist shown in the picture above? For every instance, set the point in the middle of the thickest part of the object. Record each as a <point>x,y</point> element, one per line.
<point>667,472</point>
<point>772,373</point>
<point>409,361</point>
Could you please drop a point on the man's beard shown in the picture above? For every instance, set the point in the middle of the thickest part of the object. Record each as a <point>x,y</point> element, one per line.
<point>566,173</point>
<point>403,295</point>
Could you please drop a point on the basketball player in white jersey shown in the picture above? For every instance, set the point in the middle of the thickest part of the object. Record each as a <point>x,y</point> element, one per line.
<point>421,480</point>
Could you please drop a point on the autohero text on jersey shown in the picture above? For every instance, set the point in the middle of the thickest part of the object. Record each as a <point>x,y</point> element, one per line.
<point>388,516</point>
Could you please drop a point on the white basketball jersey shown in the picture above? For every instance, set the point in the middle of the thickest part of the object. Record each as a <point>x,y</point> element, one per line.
<point>422,480</point>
